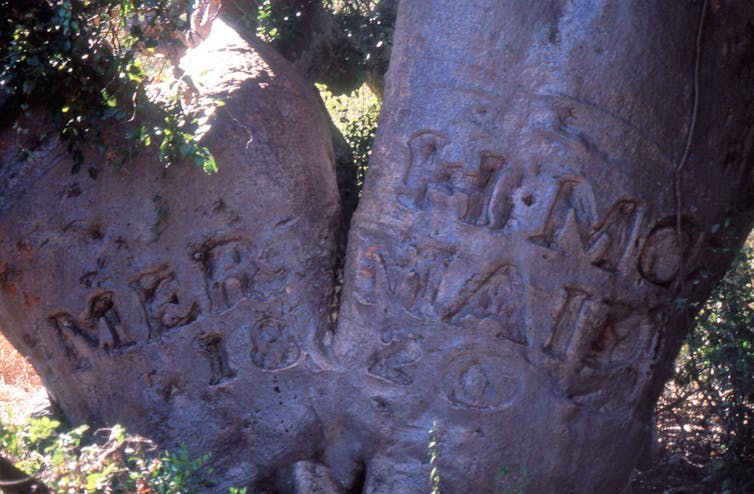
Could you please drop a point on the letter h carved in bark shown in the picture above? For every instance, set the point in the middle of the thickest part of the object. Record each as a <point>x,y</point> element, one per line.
<point>463,189</point>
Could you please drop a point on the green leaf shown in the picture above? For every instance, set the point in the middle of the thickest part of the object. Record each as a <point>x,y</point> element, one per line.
<point>209,166</point>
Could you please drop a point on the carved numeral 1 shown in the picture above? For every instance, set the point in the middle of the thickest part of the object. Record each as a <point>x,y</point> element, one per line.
<point>572,321</point>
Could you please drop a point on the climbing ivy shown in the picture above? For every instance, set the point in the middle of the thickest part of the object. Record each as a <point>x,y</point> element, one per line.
<point>89,62</point>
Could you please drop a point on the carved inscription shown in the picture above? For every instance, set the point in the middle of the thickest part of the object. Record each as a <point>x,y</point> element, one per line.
<point>573,208</point>
<point>436,284</point>
<point>232,273</point>
<point>484,193</point>
<point>396,362</point>
<point>99,326</point>
<point>597,347</point>
<point>608,241</point>
<point>213,347</point>
<point>566,336</point>
<point>72,335</point>
<point>102,315</point>
<point>273,345</point>
<point>481,381</point>
<point>493,301</point>
<point>464,189</point>
<point>163,306</point>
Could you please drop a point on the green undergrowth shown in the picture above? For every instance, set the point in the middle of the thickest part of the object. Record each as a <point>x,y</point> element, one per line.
<point>355,115</point>
<point>716,369</point>
<point>82,460</point>
<point>90,65</point>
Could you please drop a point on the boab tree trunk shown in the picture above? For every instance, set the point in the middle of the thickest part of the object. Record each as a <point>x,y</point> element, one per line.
<point>188,307</point>
<point>516,272</point>
<point>516,265</point>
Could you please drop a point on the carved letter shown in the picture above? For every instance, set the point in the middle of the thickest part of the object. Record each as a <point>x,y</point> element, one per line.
<point>102,316</point>
<point>620,339</point>
<point>660,259</point>
<point>477,380</point>
<point>575,319</point>
<point>479,185</point>
<point>233,273</point>
<point>609,242</point>
<point>573,204</point>
<point>396,363</point>
<point>68,326</point>
<point>159,297</point>
<point>272,345</point>
<point>495,302</point>
<point>501,200</point>
<point>463,189</point>
<point>573,208</point>
<point>424,148</point>
<point>76,341</point>
<point>213,347</point>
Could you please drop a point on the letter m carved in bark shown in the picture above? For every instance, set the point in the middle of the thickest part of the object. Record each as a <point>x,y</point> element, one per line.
<point>573,211</point>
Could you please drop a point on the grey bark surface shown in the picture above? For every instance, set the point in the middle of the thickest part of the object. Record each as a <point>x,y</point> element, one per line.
<point>514,269</point>
<point>516,276</point>
<point>189,307</point>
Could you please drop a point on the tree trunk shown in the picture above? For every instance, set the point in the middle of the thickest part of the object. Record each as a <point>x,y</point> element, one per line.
<point>517,272</point>
<point>552,184</point>
<point>190,308</point>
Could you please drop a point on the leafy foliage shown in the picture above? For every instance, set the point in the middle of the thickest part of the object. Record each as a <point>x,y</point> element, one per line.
<point>266,29</point>
<point>350,40</point>
<point>88,62</point>
<point>369,24</point>
<point>718,362</point>
<point>356,116</point>
<point>103,461</point>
